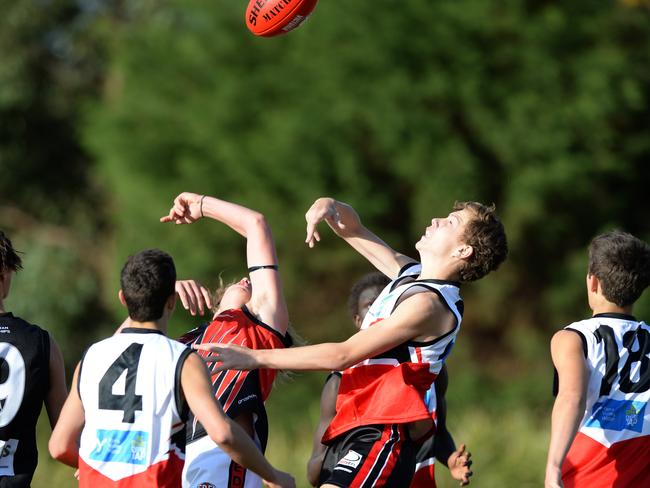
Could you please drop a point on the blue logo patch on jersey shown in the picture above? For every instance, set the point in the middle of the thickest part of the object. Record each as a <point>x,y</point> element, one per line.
<point>617,415</point>
<point>121,446</point>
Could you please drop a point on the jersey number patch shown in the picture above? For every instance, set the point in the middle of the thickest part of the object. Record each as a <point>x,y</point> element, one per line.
<point>12,382</point>
<point>637,342</point>
<point>129,402</point>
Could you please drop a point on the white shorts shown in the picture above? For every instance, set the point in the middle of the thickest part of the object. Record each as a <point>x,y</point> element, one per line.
<point>207,466</point>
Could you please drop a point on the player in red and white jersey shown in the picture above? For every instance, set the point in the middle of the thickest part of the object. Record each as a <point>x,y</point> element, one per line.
<point>382,408</point>
<point>130,395</point>
<point>252,313</point>
<point>363,294</point>
<point>600,433</point>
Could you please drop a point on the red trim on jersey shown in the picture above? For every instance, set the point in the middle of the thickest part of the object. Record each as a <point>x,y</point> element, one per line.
<point>418,354</point>
<point>236,475</point>
<point>591,464</point>
<point>424,477</point>
<point>164,474</point>
<point>380,394</point>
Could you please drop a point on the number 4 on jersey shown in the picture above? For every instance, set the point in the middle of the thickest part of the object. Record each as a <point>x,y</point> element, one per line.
<point>129,402</point>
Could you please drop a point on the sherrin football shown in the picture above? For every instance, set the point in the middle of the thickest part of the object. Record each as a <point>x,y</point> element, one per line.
<point>270,18</point>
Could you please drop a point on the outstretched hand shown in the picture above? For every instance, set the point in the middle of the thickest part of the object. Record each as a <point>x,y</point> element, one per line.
<point>231,356</point>
<point>459,463</point>
<point>321,209</point>
<point>194,296</point>
<point>186,209</point>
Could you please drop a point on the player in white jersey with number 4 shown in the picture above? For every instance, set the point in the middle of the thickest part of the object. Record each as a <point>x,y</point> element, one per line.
<point>600,433</point>
<point>123,423</point>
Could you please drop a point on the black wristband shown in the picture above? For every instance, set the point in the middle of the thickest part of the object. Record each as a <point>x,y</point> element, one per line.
<point>201,205</point>
<point>264,266</point>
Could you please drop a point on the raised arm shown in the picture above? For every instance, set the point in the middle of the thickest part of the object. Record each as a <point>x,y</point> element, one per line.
<point>267,301</point>
<point>64,442</point>
<point>569,408</point>
<point>345,222</point>
<point>58,391</point>
<point>419,315</point>
<point>227,434</point>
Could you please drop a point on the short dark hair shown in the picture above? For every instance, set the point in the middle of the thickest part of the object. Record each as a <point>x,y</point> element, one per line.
<point>487,236</point>
<point>9,258</point>
<point>148,279</point>
<point>369,280</point>
<point>621,262</point>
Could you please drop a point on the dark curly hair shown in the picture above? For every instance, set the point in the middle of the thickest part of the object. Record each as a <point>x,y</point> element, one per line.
<point>9,258</point>
<point>621,262</point>
<point>487,236</point>
<point>370,280</point>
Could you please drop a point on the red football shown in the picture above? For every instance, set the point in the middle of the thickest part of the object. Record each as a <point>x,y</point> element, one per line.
<point>275,17</point>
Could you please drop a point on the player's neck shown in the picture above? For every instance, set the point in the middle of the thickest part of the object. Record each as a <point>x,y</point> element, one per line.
<point>439,271</point>
<point>608,307</point>
<point>160,325</point>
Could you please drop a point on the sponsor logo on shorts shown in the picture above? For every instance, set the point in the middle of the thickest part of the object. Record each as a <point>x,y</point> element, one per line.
<point>7,450</point>
<point>121,446</point>
<point>351,459</point>
<point>252,396</point>
<point>617,415</point>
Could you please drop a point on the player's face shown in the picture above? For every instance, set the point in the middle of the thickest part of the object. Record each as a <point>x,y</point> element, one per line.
<point>366,299</point>
<point>444,234</point>
<point>236,295</point>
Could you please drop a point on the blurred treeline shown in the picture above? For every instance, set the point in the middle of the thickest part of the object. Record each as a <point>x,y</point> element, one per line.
<point>108,109</point>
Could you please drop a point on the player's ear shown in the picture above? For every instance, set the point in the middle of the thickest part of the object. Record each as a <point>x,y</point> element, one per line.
<point>171,302</point>
<point>464,252</point>
<point>357,320</point>
<point>592,283</point>
<point>120,296</point>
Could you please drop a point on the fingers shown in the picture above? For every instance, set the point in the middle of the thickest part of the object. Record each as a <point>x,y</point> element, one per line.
<point>182,294</point>
<point>207,297</point>
<point>210,347</point>
<point>312,235</point>
<point>198,296</point>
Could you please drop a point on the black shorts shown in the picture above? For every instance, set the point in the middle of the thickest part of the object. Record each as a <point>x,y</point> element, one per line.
<point>370,456</point>
<point>16,481</point>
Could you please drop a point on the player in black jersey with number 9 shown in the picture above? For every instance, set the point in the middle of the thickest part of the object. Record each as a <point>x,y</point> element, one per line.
<point>31,373</point>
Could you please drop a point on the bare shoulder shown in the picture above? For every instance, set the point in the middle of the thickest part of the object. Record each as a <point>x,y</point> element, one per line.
<point>566,339</point>
<point>566,346</point>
